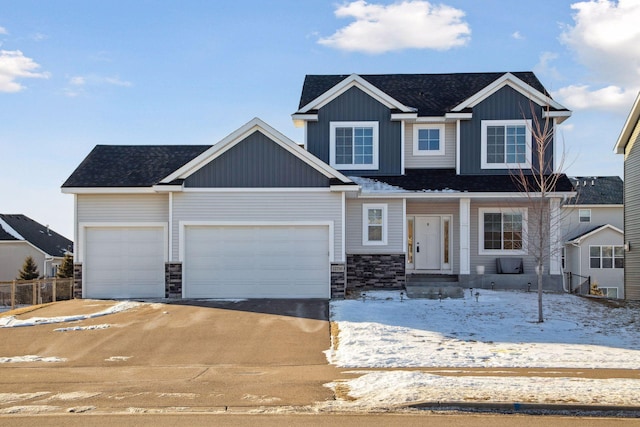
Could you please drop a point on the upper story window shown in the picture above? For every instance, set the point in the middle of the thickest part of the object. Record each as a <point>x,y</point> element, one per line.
<point>374,224</point>
<point>353,145</point>
<point>506,144</point>
<point>584,215</point>
<point>428,140</point>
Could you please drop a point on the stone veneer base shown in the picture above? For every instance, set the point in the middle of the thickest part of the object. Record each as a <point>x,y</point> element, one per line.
<point>374,271</point>
<point>173,280</point>
<point>77,280</point>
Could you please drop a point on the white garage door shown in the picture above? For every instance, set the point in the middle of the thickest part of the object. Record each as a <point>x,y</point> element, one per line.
<point>256,262</point>
<point>124,262</point>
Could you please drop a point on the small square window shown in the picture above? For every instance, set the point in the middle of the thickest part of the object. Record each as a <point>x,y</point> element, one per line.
<point>428,140</point>
<point>585,215</point>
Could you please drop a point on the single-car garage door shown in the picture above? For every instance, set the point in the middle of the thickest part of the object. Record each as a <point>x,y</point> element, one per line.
<point>256,262</point>
<point>124,262</point>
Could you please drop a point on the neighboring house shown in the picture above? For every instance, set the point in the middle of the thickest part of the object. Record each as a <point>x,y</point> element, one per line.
<point>629,144</point>
<point>592,224</point>
<point>399,175</point>
<point>20,237</point>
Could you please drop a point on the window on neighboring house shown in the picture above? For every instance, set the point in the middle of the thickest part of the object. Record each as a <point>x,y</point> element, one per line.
<point>428,140</point>
<point>585,215</point>
<point>606,256</point>
<point>374,220</point>
<point>609,292</point>
<point>502,230</point>
<point>353,145</point>
<point>506,144</point>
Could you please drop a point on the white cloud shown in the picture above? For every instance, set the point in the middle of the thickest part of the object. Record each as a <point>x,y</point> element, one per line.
<point>3,30</point>
<point>38,37</point>
<point>610,98</point>
<point>407,24</point>
<point>605,38</point>
<point>14,65</point>
<point>545,67</point>
<point>516,35</point>
<point>77,84</point>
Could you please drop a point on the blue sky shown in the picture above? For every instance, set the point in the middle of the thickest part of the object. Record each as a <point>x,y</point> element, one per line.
<point>74,73</point>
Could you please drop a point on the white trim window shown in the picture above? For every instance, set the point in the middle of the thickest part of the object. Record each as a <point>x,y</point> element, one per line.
<point>428,140</point>
<point>584,215</point>
<point>506,144</point>
<point>374,224</point>
<point>353,145</point>
<point>606,256</point>
<point>502,231</point>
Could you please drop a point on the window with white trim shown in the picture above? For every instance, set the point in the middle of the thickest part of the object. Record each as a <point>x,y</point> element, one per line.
<point>609,292</point>
<point>606,256</point>
<point>584,215</point>
<point>428,140</point>
<point>374,224</point>
<point>353,145</point>
<point>506,144</point>
<point>502,231</point>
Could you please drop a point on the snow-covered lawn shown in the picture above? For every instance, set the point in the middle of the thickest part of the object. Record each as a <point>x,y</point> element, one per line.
<point>499,330</point>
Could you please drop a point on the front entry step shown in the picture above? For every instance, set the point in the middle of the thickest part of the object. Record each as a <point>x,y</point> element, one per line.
<point>433,286</point>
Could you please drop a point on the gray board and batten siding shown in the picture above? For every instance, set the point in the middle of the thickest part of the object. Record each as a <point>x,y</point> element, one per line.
<point>356,106</point>
<point>256,162</point>
<point>631,217</point>
<point>505,104</point>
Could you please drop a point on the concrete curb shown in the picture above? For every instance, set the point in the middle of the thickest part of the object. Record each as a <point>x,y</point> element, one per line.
<point>517,407</point>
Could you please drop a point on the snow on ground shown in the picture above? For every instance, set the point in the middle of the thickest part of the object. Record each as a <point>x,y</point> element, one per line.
<point>13,322</point>
<point>83,328</point>
<point>499,330</point>
<point>30,358</point>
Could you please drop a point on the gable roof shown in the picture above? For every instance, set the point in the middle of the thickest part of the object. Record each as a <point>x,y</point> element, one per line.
<point>597,190</point>
<point>254,125</point>
<point>428,94</point>
<point>629,126</point>
<point>20,227</point>
<point>578,239</point>
<point>447,181</point>
<point>146,166</point>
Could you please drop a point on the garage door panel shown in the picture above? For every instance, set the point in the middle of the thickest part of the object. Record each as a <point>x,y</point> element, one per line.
<point>124,262</point>
<point>257,262</point>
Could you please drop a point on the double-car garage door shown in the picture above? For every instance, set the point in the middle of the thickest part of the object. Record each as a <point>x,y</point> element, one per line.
<point>243,261</point>
<point>256,262</point>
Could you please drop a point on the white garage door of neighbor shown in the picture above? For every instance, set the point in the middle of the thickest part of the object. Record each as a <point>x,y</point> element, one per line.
<point>257,262</point>
<point>124,262</point>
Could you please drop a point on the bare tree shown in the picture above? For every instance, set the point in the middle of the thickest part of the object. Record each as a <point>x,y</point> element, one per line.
<point>538,180</point>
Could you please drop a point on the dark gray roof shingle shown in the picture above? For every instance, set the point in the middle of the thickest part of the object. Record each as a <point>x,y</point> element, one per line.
<point>131,165</point>
<point>37,234</point>
<point>598,190</point>
<point>431,94</point>
<point>446,179</point>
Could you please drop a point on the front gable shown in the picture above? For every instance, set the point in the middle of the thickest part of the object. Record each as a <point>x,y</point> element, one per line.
<point>357,108</point>
<point>258,162</point>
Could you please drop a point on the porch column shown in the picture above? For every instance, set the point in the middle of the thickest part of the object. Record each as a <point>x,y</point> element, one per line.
<point>554,236</point>
<point>465,236</point>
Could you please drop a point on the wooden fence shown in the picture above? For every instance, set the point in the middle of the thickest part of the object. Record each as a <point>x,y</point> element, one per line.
<point>31,292</point>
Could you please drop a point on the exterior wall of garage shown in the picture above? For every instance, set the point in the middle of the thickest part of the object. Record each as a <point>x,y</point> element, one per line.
<point>258,206</point>
<point>114,209</point>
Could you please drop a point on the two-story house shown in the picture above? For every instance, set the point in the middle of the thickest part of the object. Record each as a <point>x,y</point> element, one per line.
<point>626,145</point>
<point>592,224</point>
<point>398,174</point>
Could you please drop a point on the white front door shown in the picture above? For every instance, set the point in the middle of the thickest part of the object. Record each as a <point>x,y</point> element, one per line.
<point>428,254</point>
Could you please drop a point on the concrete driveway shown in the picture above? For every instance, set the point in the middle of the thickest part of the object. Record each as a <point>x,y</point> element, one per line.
<point>187,354</point>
